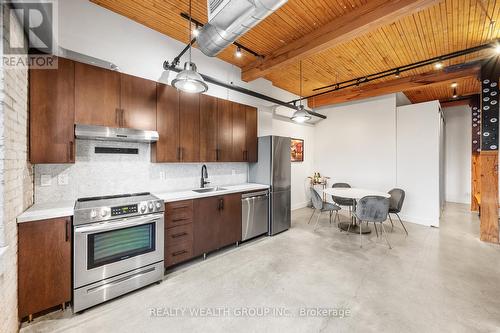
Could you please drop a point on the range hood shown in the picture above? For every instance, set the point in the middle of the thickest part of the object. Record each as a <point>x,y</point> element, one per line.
<point>91,132</point>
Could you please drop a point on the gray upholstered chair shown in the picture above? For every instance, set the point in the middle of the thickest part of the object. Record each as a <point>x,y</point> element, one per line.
<point>395,205</point>
<point>372,209</point>
<point>349,203</point>
<point>321,206</point>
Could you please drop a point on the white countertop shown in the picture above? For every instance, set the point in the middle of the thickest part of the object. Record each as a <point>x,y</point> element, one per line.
<point>65,208</point>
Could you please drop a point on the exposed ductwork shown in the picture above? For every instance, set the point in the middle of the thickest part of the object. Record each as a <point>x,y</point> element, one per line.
<point>230,19</point>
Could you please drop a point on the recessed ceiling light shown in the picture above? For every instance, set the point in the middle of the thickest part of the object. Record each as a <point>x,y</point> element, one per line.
<point>438,65</point>
<point>454,85</point>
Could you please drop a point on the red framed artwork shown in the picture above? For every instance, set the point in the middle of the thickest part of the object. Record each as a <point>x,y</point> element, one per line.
<point>297,149</point>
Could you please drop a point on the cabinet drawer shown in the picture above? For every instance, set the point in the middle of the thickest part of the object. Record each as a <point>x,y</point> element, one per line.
<point>179,234</point>
<point>178,213</point>
<point>178,253</point>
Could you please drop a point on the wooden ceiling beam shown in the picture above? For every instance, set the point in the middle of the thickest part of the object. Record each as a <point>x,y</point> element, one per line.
<point>368,17</point>
<point>448,74</point>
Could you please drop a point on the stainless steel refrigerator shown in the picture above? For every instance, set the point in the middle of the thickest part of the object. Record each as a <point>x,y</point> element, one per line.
<point>274,169</point>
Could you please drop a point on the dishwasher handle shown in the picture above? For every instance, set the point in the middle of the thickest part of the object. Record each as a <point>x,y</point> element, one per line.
<point>248,196</point>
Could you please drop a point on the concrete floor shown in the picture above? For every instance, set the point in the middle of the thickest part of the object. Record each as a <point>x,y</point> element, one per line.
<point>435,280</point>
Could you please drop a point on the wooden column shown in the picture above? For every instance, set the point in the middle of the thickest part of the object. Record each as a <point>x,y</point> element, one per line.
<point>490,74</point>
<point>475,104</point>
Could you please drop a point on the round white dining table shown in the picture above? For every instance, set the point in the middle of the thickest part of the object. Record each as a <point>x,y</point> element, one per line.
<point>355,194</point>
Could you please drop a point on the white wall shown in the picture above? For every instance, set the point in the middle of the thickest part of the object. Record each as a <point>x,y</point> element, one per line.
<point>418,161</point>
<point>356,143</point>
<point>458,154</point>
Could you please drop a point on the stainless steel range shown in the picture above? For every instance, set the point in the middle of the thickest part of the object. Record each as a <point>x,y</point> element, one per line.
<point>118,246</point>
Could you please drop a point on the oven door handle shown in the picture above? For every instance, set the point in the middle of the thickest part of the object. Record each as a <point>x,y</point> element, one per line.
<point>108,226</point>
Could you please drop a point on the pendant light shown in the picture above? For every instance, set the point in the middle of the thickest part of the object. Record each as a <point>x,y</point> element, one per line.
<point>301,115</point>
<point>189,80</point>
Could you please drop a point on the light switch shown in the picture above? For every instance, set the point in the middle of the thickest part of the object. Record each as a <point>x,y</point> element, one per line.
<point>63,179</point>
<point>45,180</point>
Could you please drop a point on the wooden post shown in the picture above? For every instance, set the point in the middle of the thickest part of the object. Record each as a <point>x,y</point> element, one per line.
<point>475,104</point>
<point>490,73</point>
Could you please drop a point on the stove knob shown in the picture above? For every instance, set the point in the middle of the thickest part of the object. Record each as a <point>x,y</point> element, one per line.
<point>104,213</point>
<point>143,208</point>
<point>158,205</point>
<point>150,206</point>
<point>93,214</point>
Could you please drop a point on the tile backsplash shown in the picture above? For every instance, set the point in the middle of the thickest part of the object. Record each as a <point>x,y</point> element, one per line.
<point>104,174</point>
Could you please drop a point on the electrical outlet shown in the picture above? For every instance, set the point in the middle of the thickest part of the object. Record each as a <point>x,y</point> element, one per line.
<point>162,175</point>
<point>63,179</point>
<point>233,172</point>
<point>45,180</point>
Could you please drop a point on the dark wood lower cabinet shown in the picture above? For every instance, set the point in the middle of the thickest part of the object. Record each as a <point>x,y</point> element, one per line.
<point>44,265</point>
<point>178,232</point>
<point>217,222</point>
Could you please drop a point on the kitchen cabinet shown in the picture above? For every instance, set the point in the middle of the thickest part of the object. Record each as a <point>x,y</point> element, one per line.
<point>137,103</point>
<point>224,131</point>
<point>217,222</point>
<point>251,143</point>
<point>239,132</point>
<point>97,96</point>
<point>178,232</point>
<point>189,131</point>
<point>208,129</point>
<point>166,149</point>
<point>44,265</point>
<point>52,113</point>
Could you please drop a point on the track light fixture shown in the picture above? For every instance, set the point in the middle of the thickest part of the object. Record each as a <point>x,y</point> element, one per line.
<point>455,95</point>
<point>238,53</point>
<point>438,65</point>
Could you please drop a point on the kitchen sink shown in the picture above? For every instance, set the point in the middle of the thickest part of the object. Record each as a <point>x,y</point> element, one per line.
<point>209,189</point>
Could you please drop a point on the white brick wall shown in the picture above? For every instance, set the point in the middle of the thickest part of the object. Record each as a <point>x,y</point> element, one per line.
<point>16,182</point>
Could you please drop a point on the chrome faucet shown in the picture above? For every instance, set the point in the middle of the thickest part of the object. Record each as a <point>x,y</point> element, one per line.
<point>204,175</point>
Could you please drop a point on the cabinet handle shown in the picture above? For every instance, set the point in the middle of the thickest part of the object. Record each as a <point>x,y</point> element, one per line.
<point>245,155</point>
<point>177,220</point>
<point>67,230</point>
<point>221,204</point>
<point>117,117</point>
<point>217,154</point>
<point>182,153</point>
<point>180,235</point>
<point>178,153</point>
<point>122,112</point>
<point>71,151</point>
<point>178,253</point>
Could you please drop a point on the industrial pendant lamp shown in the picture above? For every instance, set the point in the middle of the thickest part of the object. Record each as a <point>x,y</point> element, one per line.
<point>301,115</point>
<point>189,80</point>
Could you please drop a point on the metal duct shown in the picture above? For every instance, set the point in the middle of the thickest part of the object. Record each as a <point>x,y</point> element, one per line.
<point>230,19</point>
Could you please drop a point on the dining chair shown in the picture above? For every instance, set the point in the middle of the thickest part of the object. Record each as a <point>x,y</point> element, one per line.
<point>349,203</point>
<point>321,206</point>
<point>372,209</point>
<point>395,205</point>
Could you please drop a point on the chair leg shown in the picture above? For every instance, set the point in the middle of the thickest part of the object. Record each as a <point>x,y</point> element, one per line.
<point>337,218</point>
<point>317,221</point>
<point>402,224</point>
<point>385,235</point>
<point>360,235</point>
<point>376,230</point>
<point>392,224</point>
<point>330,217</point>
<point>314,211</point>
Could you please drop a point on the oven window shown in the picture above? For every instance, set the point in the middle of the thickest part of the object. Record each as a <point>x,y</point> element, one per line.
<point>115,245</point>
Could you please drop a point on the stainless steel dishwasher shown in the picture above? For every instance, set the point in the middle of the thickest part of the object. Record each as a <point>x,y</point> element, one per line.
<point>254,214</point>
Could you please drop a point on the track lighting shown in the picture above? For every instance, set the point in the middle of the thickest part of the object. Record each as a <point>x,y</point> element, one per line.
<point>455,95</point>
<point>438,65</point>
<point>454,85</point>
<point>196,32</point>
<point>238,53</point>
<point>397,74</point>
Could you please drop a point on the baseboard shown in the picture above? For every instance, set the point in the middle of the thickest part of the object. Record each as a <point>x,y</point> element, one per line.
<point>418,220</point>
<point>300,205</point>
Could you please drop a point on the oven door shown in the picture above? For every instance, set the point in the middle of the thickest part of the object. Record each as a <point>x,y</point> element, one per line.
<point>106,249</point>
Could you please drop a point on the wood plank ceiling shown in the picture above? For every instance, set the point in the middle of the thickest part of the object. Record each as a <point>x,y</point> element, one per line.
<point>449,26</point>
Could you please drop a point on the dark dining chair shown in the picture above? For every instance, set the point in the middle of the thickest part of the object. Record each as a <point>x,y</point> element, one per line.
<point>395,205</point>
<point>321,206</point>
<point>372,209</point>
<point>349,203</point>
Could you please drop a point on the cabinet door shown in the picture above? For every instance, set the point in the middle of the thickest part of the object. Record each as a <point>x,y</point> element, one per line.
<point>52,113</point>
<point>206,224</point>
<point>166,149</point>
<point>239,133</point>
<point>230,221</point>
<point>97,96</point>
<point>44,264</point>
<point>208,129</point>
<point>189,127</point>
<point>137,103</point>
<point>224,130</point>
<point>251,154</point>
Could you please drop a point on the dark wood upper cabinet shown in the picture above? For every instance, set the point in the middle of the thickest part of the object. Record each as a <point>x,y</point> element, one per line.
<point>189,132</point>
<point>239,132</point>
<point>97,96</point>
<point>52,113</point>
<point>251,154</point>
<point>137,103</point>
<point>44,265</point>
<point>166,149</point>
<point>206,225</point>
<point>230,220</point>
<point>208,129</point>
<point>224,130</point>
